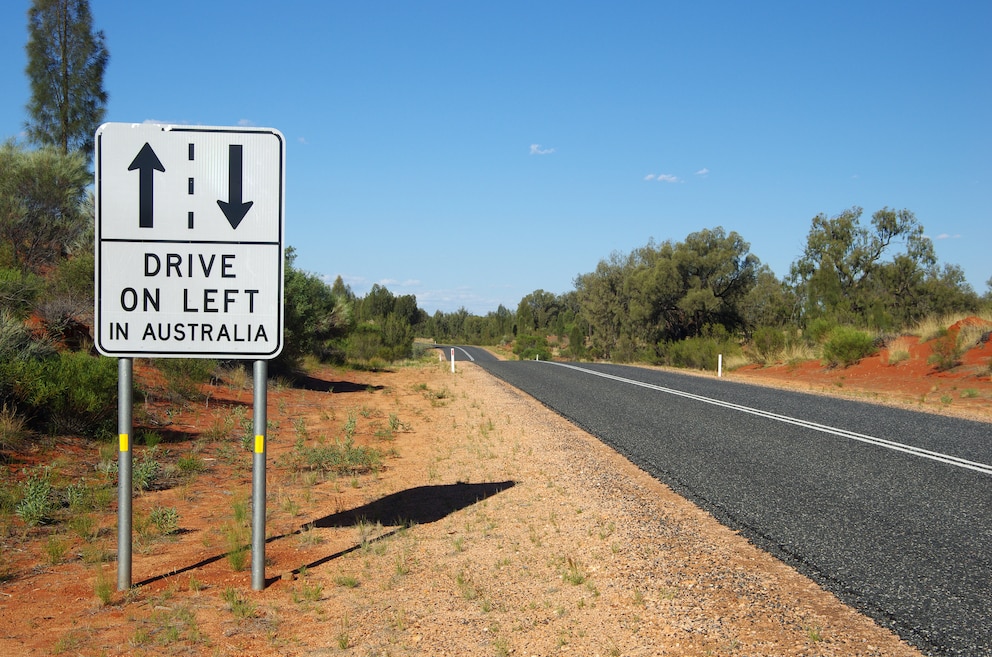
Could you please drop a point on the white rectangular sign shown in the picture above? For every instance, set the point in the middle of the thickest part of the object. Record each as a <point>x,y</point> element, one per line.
<point>189,241</point>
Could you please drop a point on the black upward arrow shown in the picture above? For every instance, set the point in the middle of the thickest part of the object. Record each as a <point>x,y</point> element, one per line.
<point>234,209</point>
<point>147,163</point>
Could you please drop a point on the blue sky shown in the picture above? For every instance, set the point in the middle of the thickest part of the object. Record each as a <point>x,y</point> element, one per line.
<point>470,153</point>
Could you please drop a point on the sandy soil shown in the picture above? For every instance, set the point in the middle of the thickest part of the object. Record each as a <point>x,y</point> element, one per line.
<point>493,527</point>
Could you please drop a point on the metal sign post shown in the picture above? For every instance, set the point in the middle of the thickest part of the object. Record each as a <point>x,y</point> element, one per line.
<point>258,477</point>
<point>124,473</point>
<point>189,264</point>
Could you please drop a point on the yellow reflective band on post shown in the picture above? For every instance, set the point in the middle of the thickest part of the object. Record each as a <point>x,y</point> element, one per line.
<point>259,444</point>
<point>125,443</point>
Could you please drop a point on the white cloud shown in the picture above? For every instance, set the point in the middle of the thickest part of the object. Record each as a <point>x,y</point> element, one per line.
<point>246,123</point>
<point>663,177</point>
<point>302,140</point>
<point>165,122</point>
<point>702,172</point>
<point>451,299</point>
<point>947,236</point>
<point>395,282</point>
<point>535,149</point>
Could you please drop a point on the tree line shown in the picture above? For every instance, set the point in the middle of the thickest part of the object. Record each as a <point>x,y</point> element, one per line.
<point>683,302</point>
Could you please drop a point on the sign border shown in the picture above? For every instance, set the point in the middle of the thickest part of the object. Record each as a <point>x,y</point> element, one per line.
<point>99,242</point>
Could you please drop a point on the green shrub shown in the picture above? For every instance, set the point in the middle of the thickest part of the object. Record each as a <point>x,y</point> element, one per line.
<point>695,353</point>
<point>819,330</point>
<point>165,519</point>
<point>846,346</point>
<point>947,350</point>
<point>73,277</point>
<point>16,341</point>
<point>37,502</point>
<point>13,428</point>
<point>184,376</point>
<point>364,343</point>
<point>19,290</point>
<point>55,548</point>
<point>65,393</point>
<point>340,458</point>
<point>86,396</point>
<point>701,353</point>
<point>145,471</point>
<point>767,342</point>
<point>190,464</point>
<point>532,347</point>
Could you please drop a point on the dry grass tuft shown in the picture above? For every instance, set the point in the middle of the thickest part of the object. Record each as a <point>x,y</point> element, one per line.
<point>899,350</point>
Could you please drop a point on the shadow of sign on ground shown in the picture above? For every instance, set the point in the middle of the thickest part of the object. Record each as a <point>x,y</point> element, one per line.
<point>305,382</point>
<point>415,506</point>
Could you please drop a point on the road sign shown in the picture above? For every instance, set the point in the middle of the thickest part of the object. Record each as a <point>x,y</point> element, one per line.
<point>189,241</point>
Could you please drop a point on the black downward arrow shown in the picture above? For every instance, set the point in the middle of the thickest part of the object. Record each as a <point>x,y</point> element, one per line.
<point>147,163</point>
<point>234,209</point>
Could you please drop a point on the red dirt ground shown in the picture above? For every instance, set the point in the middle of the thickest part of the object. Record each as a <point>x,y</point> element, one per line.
<point>964,390</point>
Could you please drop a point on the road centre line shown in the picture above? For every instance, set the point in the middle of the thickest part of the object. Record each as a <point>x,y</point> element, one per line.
<point>844,433</point>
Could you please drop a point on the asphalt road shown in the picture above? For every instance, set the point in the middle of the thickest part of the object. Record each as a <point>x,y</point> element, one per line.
<point>889,509</point>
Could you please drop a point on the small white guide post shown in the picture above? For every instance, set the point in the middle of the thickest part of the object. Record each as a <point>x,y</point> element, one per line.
<point>452,360</point>
<point>719,366</point>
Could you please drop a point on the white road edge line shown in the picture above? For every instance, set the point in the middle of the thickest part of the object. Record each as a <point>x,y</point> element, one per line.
<point>844,433</point>
<point>461,349</point>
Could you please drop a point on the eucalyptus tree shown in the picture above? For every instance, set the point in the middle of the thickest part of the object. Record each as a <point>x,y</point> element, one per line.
<point>604,296</point>
<point>680,290</point>
<point>885,276</point>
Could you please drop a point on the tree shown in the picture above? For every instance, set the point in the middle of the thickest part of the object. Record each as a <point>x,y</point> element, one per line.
<point>604,297</point>
<point>543,307</point>
<point>667,292</point>
<point>66,62</point>
<point>502,322</point>
<point>770,303</point>
<point>526,322</point>
<point>342,291</point>
<point>848,274</point>
<point>312,315</point>
<point>835,271</point>
<point>377,304</point>
<point>680,290</point>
